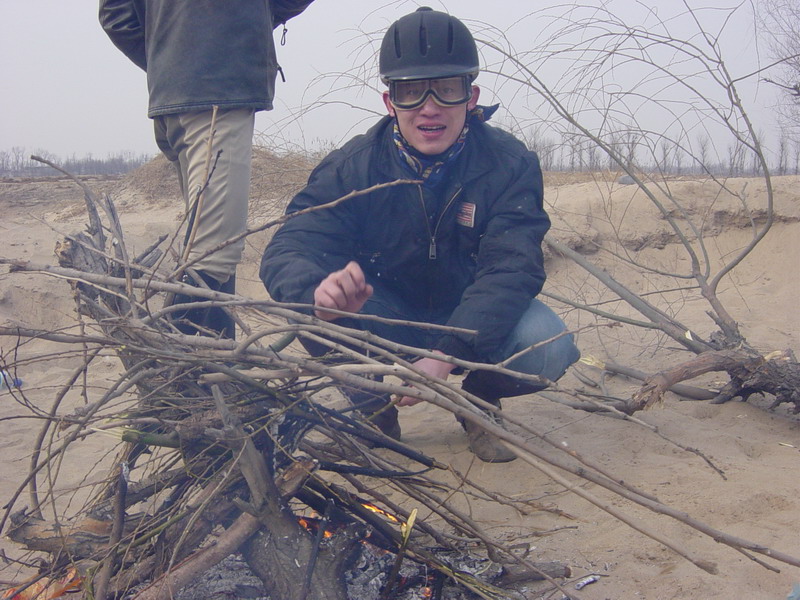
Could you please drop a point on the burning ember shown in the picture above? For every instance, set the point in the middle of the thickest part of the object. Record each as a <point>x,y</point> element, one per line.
<point>312,524</point>
<point>380,511</point>
<point>370,575</point>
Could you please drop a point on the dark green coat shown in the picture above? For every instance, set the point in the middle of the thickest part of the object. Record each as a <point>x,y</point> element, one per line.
<point>201,53</point>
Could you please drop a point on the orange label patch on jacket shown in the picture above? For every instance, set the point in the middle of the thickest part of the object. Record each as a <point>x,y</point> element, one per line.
<point>466,214</point>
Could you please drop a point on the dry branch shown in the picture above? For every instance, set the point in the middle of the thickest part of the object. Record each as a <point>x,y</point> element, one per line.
<point>777,373</point>
<point>226,544</point>
<point>219,432</point>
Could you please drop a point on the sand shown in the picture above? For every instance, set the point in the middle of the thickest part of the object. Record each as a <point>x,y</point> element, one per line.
<point>742,479</point>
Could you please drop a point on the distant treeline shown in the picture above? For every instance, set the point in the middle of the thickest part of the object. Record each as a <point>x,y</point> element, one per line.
<point>17,162</point>
<point>699,157</point>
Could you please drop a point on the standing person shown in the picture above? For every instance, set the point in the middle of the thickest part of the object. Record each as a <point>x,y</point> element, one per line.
<point>461,248</point>
<point>200,55</point>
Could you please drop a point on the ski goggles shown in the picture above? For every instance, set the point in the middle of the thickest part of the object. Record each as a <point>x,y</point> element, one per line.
<point>446,91</point>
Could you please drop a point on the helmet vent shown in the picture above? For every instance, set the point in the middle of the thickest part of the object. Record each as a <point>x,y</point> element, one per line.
<point>397,51</point>
<point>450,37</point>
<point>423,40</point>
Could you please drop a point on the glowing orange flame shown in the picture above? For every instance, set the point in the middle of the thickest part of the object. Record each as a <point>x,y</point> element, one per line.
<point>380,511</point>
<point>313,526</point>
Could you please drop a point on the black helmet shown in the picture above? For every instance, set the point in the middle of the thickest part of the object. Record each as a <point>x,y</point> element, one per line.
<point>427,44</point>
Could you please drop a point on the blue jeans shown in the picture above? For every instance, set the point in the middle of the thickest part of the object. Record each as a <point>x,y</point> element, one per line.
<point>538,323</point>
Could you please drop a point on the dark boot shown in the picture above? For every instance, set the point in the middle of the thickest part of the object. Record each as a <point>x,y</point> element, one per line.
<point>484,445</point>
<point>209,320</point>
<point>374,407</point>
<point>387,422</point>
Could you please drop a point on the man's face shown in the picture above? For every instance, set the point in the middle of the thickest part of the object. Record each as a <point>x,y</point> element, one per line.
<point>432,128</point>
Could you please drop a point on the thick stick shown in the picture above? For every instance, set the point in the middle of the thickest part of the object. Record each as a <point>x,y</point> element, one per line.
<point>201,561</point>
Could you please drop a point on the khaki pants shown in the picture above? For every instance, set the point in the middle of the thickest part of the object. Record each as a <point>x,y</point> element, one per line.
<point>222,214</point>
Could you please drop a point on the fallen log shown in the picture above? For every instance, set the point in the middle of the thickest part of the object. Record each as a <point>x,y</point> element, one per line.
<point>82,539</point>
<point>777,373</point>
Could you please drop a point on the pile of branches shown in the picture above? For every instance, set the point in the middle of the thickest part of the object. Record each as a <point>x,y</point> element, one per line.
<point>232,445</point>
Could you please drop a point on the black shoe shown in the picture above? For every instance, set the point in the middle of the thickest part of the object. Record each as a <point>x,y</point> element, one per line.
<point>204,321</point>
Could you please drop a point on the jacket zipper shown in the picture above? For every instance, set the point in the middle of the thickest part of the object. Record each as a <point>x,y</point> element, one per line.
<point>432,252</point>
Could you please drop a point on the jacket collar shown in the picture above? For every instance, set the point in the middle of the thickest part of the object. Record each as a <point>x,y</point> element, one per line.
<point>472,163</point>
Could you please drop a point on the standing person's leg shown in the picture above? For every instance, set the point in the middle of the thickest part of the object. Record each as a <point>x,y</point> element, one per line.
<point>549,360</point>
<point>221,211</point>
<point>215,185</point>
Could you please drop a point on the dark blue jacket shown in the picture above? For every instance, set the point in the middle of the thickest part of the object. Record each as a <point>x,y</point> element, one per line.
<point>201,53</point>
<point>473,249</point>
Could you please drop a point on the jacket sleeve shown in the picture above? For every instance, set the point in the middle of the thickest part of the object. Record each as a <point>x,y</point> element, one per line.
<point>283,10</point>
<point>312,244</point>
<point>122,22</point>
<point>510,265</point>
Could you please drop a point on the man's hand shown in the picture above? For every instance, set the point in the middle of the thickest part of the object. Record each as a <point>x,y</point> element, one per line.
<point>344,290</point>
<point>432,367</point>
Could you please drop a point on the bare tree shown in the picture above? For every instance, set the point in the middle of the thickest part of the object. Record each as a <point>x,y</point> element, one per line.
<point>18,156</point>
<point>783,154</point>
<point>593,155</point>
<point>625,85</point>
<point>796,156</point>
<point>703,156</point>
<point>545,147</point>
<point>780,21</point>
<point>666,150</point>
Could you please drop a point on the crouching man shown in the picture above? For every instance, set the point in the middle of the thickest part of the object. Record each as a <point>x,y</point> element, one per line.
<point>462,248</point>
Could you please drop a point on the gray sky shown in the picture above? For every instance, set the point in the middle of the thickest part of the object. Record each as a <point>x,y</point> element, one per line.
<point>67,90</point>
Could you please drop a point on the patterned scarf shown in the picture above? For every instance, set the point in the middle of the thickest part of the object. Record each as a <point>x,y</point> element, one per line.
<point>431,168</point>
<point>428,168</point>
